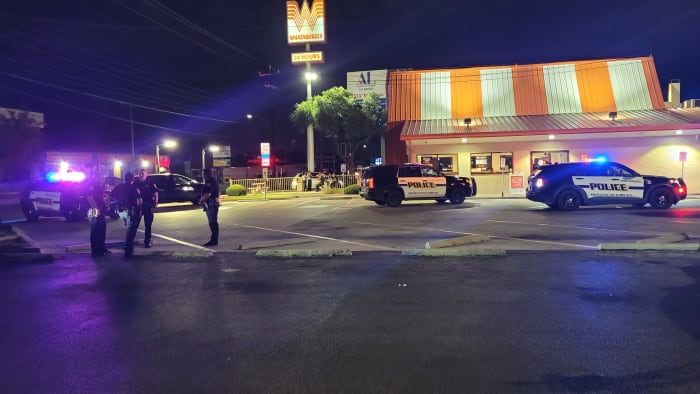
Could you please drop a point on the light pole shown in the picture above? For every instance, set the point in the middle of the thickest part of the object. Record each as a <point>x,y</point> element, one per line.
<point>310,76</point>
<point>166,144</point>
<point>212,148</point>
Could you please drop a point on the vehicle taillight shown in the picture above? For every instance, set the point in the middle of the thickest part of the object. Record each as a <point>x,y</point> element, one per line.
<point>539,182</point>
<point>681,189</point>
<point>370,183</point>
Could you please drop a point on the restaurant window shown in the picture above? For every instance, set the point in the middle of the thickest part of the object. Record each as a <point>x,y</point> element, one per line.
<point>540,158</point>
<point>447,164</point>
<point>491,162</point>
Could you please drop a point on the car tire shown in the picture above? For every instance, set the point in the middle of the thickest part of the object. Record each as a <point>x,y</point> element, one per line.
<point>380,202</point>
<point>661,199</point>
<point>457,196</point>
<point>29,211</point>
<point>393,198</point>
<point>569,199</point>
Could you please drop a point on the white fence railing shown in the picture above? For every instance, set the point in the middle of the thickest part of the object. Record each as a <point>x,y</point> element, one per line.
<point>259,185</point>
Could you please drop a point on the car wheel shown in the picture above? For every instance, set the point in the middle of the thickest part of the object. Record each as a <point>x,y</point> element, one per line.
<point>661,199</point>
<point>393,198</point>
<point>380,202</point>
<point>29,211</point>
<point>457,196</point>
<point>569,199</point>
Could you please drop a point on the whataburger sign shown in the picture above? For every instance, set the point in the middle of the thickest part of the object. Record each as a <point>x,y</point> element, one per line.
<point>306,25</point>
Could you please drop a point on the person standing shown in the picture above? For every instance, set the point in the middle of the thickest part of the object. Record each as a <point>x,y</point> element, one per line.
<point>149,194</point>
<point>210,204</point>
<point>133,217</point>
<point>98,224</point>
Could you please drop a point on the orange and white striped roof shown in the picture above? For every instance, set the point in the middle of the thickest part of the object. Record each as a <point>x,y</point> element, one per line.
<point>538,89</point>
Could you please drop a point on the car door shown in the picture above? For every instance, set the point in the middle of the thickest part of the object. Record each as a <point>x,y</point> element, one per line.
<point>434,184</point>
<point>613,183</point>
<point>184,189</point>
<point>410,178</point>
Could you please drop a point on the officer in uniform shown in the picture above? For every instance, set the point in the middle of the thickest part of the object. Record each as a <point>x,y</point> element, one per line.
<point>210,204</point>
<point>121,194</point>
<point>96,214</point>
<point>133,218</point>
<point>149,194</point>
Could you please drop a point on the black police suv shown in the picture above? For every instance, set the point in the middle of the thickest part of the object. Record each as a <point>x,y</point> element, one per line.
<point>392,184</point>
<point>567,186</point>
<point>60,198</point>
<point>176,188</point>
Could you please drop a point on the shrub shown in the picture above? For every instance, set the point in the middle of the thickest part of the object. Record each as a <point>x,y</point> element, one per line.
<point>236,190</point>
<point>352,189</point>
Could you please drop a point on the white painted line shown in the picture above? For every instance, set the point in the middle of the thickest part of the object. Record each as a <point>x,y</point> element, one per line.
<point>300,204</point>
<point>493,236</point>
<point>576,227</point>
<point>177,241</point>
<point>317,236</point>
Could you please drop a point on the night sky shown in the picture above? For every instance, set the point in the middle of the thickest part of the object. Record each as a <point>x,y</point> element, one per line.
<point>84,62</point>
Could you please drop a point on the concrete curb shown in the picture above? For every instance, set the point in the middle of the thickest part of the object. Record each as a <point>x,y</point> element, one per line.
<point>279,242</point>
<point>457,252</point>
<point>666,238</point>
<point>465,240</point>
<point>302,253</point>
<point>649,246</point>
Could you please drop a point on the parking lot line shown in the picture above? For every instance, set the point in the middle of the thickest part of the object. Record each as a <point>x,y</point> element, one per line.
<point>177,241</point>
<point>575,227</point>
<point>318,237</point>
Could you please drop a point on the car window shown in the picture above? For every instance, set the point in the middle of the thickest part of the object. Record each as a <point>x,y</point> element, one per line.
<point>429,171</point>
<point>410,172</point>
<point>181,181</point>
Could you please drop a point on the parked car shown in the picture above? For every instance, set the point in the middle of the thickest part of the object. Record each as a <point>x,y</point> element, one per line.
<point>176,188</point>
<point>391,184</point>
<point>567,186</point>
<point>58,198</point>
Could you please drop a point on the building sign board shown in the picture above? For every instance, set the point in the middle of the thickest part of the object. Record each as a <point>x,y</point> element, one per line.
<point>311,57</point>
<point>306,25</point>
<point>265,154</point>
<point>362,83</point>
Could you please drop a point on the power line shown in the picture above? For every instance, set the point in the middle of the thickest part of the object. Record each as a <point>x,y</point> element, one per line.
<point>175,32</point>
<point>159,6</point>
<point>110,99</point>
<point>106,115</point>
<point>166,86</point>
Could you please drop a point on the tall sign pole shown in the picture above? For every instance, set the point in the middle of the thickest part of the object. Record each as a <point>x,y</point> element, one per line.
<point>306,26</point>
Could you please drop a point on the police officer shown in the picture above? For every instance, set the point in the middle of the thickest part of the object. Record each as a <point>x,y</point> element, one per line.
<point>121,194</point>
<point>149,194</point>
<point>210,203</point>
<point>98,224</point>
<point>133,203</point>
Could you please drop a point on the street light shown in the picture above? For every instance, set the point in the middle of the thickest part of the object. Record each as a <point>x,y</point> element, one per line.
<point>212,148</point>
<point>166,144</point>
<point>309,76</point>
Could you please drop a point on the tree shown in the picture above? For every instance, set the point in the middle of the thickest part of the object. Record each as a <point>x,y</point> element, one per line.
<point>23,143</point>
<point>336,115</point>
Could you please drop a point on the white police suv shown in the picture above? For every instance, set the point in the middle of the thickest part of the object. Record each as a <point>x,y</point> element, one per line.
<point>568,186</point>
<point>391,184</point>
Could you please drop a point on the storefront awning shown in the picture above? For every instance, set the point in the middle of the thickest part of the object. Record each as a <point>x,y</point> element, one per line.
<point>574,123</point>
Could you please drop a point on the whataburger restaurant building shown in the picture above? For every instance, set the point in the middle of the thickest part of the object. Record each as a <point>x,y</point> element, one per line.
<point>498,123</point>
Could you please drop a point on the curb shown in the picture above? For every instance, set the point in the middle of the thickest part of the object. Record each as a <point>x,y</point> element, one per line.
<point>649,246</point>
<point>464,240</point>
<point>463,252</point>
<point>279,242</point>
<point>302,253</point>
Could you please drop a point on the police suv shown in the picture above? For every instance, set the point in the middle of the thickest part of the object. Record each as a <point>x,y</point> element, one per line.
<point>567,186</point>
<point>391,184</point>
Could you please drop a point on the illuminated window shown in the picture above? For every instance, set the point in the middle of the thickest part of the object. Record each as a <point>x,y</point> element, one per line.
<point>447,163</point>
<point>491,162</point>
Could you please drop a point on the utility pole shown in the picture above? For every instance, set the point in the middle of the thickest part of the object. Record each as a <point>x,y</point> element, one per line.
<point>131,123</point>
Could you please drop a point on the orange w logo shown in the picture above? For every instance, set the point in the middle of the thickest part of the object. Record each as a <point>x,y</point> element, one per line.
<point>310,15</point>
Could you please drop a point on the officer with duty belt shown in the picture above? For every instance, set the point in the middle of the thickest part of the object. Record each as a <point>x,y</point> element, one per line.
<point>133,203</point>
<point>149,194</point>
